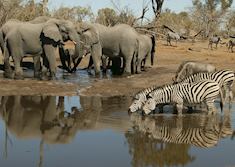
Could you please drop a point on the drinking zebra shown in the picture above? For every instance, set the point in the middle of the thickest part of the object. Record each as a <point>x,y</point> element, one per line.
<point>184,93</point>
<point>224,78</point>
<point>140,98</point>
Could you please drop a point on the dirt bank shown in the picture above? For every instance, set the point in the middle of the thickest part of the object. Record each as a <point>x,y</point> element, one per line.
<point>166,62</point>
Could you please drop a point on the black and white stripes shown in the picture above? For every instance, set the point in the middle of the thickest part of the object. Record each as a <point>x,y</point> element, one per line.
<point>196,88</point>
<point>224,78</point>
<point>184,93</point>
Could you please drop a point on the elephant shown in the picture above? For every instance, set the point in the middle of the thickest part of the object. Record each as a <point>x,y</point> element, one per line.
<point>38,39</point>
<point>146,50</point>
<point>12,24</point>
<point>68,56</point>
<point>118,41</point>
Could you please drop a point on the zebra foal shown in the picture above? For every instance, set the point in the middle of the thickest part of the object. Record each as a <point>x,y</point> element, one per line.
<point>184,93</point>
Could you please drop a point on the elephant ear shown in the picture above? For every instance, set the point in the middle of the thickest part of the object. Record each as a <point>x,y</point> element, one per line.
<point>90,34</point>
<point>51,31</point>
<point>91,37</point>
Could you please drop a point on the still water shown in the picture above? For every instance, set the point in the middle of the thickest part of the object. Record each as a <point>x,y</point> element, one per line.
<point>46,131</point>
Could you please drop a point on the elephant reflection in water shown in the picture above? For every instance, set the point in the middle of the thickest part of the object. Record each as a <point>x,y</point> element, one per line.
<point>45,117</point>
<point>40,117</point>
<point>168,139</point>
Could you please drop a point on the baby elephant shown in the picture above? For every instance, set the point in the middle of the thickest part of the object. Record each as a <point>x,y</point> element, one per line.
<point>68,57</point>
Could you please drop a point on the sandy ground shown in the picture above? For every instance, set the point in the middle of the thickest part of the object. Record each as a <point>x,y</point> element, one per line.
<point>167,61</point>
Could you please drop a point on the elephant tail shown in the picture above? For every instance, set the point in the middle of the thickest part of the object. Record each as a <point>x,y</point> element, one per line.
<point>153,49</point>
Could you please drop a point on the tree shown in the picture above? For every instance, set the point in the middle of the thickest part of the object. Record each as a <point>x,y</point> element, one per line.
<point>157,7</point>
<point>180,22</point>
<point>76,14</point>
<point>230,23</point>
<point>107,16</point>
<point>8,9</point>
<point>207,14</point>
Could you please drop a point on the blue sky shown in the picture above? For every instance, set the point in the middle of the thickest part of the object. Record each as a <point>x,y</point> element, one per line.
<point>135,5</point>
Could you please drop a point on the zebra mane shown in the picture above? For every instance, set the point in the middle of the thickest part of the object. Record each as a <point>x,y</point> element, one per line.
<point>151,89</point>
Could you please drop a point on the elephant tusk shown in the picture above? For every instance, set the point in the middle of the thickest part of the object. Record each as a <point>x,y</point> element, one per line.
<point>75,43</point>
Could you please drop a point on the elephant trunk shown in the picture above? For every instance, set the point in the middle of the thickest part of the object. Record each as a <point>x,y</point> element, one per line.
<point>63,58</point>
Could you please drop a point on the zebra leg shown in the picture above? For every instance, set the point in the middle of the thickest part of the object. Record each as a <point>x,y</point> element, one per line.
<point>161,108</point>
<point>227,93</point>
<point>179,107</point>
<point>210,107</point>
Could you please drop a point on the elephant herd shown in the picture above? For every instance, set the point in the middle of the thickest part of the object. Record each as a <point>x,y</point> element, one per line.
<point>41,37</point>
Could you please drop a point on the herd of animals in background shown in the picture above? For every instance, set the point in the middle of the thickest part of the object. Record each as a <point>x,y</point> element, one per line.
<point>40,37</point>
<point>121,45</point>
<point>127,49</point>
<point>194,83</point>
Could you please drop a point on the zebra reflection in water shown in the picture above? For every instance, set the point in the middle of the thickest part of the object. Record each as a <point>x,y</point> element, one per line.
<point>200,131</point>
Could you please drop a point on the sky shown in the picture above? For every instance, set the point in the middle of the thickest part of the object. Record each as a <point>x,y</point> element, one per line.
<point>135,5</point>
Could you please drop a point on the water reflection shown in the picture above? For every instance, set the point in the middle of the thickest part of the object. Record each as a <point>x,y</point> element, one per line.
<point>54,121</point>
<point>46,117</point>
<point>167,140</point>
<point>161,140</point>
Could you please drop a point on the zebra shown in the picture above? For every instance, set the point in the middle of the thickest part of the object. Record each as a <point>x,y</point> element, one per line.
<point>184,93</point>
<point>188,68</point>
<point>231,44</point>
<point>215,40</point>
<point>224,78</point>
<point>140,98</point>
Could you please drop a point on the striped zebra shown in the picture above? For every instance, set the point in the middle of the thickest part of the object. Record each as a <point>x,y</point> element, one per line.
<point>184,93</point>
<point>140,98</point>
<point>224,78</point>
<point>177,130</point>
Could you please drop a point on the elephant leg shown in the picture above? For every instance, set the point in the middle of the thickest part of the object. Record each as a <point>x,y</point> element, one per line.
<point>37,66</point>
<point>18,70</point>
<point>116,65</point>
<point>96,53</point>
<point>138,65</point>
<point>128,65</point>
<point>8,71</point>
<point>49,51</point>
<point>104,64</point>
<point>142,64</point>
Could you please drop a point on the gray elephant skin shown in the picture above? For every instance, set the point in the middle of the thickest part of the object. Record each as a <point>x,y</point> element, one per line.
<point>12,24</point>
<point>118,41</point>
<point>146,50</point>
<point>37,39</point>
